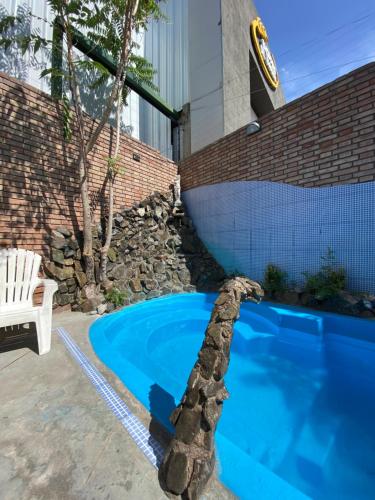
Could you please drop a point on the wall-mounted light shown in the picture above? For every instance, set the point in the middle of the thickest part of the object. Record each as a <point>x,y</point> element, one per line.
<point>253,128</point>
<point>136,157</point>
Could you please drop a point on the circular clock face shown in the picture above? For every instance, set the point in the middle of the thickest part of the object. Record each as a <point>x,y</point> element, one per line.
<point>265,57</point>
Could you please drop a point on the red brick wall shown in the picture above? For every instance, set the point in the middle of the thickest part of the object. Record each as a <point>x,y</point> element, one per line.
<point>39,187</point>
<point>324,138</point>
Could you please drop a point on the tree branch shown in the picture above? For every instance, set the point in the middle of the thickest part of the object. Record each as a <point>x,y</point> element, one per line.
<point>130,13</point>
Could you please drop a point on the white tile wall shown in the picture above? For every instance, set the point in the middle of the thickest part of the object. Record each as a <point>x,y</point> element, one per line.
<point>247,225</point>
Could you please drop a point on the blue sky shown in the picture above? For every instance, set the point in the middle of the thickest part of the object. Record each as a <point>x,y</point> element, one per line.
<point>307,37</point>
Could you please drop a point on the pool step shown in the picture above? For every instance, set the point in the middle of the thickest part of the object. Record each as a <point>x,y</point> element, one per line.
<point>300,329</point>
<point>250,478</point>
<point>314,446</point>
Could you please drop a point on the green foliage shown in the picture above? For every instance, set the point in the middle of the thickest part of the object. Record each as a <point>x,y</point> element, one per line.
<point>102,23</point>
<point>113,166</point>
<point>274,279</point>
<point>116,297</point>
<point>329,280</point>
<point>142,70</point>
<point>15,30</point>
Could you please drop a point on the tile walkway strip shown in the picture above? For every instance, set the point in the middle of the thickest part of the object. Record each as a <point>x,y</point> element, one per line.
<point>138,432</point>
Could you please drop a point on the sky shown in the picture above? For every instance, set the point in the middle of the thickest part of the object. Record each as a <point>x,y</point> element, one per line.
<point>316,41</point>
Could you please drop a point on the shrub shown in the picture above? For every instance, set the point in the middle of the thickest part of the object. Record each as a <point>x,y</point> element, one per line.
<point>329,280</point>
<point>274,279</point>
<point>116,297</point>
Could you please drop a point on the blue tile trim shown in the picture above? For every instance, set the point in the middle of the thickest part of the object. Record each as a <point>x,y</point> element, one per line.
<point>151,448</point>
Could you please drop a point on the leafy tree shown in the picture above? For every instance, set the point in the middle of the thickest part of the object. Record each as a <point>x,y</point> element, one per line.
<point>110,24</point>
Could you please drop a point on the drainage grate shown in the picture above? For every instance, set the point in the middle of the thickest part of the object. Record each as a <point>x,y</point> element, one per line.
<point>138,432</point>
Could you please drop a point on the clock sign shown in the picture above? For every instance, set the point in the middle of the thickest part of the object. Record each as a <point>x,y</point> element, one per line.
<point>265,57</point>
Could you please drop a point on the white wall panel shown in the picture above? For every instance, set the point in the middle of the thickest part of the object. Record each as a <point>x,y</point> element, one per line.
<point>166,46</point>
<point>249,224</point>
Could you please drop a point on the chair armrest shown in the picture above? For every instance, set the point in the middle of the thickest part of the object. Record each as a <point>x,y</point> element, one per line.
<point>50,287</point>
<point>49,284</point>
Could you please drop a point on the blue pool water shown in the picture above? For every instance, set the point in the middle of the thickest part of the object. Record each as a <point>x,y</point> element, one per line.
<point>300,420</point>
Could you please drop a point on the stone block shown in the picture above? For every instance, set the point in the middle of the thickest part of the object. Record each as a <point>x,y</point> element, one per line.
<point>58,242</point>
<point>188,425</point>
<point>90,305</point>
<point>58,256</point>
<point>69,252</point>
<point>72,288</point>
<point>212,412</point>
<point>118,272</point>
<point>150,284</point>
<point>72,243</point>
<point>112,254</point>
<point>58,273</point>
<point>66,298</point>
<point>213,336</point>
<point>208,357</point>
<point>178,475</point>
<point>63,288</point>
<point>90,291</point>
<point>184,276</point>
<point>135,285</point>
<point>77,265</point>
<point>159,267</point>
<point>64,231</point>
<point>229,311</point>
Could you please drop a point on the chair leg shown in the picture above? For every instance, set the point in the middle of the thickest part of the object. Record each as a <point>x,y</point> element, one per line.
<point>43,330</point>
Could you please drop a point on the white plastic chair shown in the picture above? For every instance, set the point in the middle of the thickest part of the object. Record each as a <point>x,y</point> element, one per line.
<point>18,280</point>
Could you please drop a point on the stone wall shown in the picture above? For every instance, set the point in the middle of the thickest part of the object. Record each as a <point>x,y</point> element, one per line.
<point>155,251</point>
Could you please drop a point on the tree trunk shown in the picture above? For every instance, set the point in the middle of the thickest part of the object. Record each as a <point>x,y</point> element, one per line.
<point>87,253</point>
<point>112,172</point>
<point>82,162</point>
<point>109,228</point>
<point>190,458</point>
<point>86,145</point>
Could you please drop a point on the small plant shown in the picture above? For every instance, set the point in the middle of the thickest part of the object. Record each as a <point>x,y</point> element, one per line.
<point>329,280</point>
<point>274,279</point>
<point>116,297</point>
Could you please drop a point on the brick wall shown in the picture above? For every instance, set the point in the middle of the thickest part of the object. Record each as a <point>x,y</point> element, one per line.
<point>324,138</point>
<point>39,188</point>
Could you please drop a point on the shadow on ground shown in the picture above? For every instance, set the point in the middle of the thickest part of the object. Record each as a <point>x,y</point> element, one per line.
<point>161,406</point>
<point>18,337</point>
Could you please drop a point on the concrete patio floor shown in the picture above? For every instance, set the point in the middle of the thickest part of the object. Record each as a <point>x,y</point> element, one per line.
<point>58,438</point>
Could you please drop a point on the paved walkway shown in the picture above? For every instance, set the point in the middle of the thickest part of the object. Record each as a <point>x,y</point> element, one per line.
<point>58,438</point>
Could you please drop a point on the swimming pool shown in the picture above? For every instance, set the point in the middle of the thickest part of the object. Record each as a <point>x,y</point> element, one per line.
<point>300,418</point>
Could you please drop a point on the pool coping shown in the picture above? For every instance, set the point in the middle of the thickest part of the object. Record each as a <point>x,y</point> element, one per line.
<point>146,442</point>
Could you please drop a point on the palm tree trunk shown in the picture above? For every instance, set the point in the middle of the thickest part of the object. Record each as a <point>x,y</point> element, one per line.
<point>189,460</point>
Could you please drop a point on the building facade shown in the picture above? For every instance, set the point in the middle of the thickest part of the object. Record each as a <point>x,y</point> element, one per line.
<point>206,63</point>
